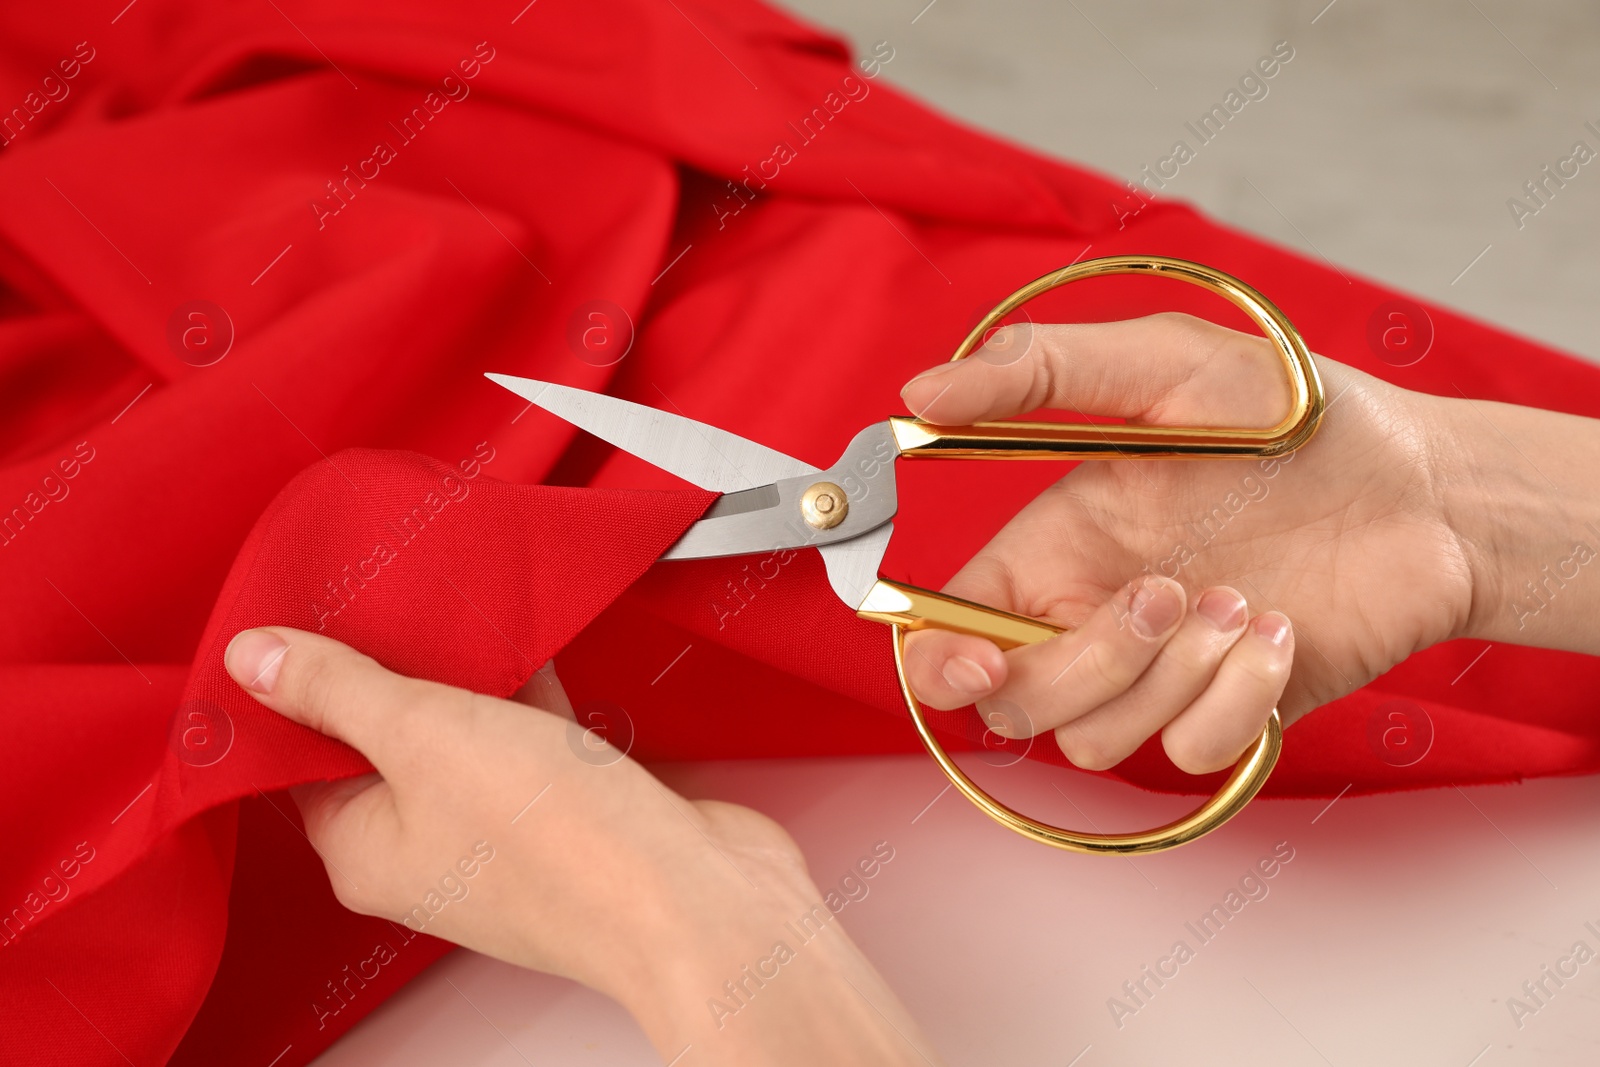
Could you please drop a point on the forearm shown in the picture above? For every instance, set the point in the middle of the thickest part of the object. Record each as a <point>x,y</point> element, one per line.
<point>1521,487</point>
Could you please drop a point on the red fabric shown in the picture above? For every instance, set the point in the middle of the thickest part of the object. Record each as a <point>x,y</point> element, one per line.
<point>159,903</point>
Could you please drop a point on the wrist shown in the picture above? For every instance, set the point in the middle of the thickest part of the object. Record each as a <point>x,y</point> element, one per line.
<point>1518,486</point>
<point>740,958</point>
<point>797,991</point>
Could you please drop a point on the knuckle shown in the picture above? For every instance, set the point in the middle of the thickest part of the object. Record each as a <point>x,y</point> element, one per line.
<point>1085,750</point>
<point>1054,342</point>
<point>1266,673</point>
<point>923,651</point>
<point>1188,330</point>
<point>1193,329</point>
<point>1178,320</point>
<point>1191,660</point>
<point>407,726</point>
<point>419,719</point>
<point>1103,669</point>
<point>313,680</point>
<point>1046,373</point>
<point>473,714</point>
<point>929,687</point>
<point>987,578</point>
<point>1199,341</point>
<point>353,897</point>
<point>1195,755</point>
<point>1006,337</point>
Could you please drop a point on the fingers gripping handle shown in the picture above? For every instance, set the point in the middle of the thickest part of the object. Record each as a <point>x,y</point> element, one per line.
<point>1015,439</point>
<point>913,608</point>
<point>907,607</point>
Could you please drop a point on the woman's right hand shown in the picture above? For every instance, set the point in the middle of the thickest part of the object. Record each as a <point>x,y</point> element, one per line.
<point>1156,565</point>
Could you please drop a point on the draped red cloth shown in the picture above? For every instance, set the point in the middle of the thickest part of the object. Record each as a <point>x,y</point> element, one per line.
<point>360,208</point>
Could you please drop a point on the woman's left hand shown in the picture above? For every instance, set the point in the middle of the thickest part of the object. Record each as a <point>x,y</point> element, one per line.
<point>492,824</point>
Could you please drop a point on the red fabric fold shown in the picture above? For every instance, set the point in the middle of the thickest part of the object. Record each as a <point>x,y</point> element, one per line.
<point>167,480</point>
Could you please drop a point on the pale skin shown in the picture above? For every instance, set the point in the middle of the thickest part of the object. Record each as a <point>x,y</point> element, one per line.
<point>610,878</point>
<point>1408,520</point>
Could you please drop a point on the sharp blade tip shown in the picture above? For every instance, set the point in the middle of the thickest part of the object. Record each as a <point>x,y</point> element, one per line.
<point>527,388</point>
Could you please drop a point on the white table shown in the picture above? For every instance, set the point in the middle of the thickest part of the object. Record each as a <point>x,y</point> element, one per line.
<point>1395,935</point>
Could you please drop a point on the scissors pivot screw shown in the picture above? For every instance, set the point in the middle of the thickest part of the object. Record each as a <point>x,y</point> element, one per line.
<point>824,506</point>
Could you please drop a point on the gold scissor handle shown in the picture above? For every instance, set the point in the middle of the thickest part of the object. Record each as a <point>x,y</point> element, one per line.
<point>1067,440</point>
<point>907,607</point>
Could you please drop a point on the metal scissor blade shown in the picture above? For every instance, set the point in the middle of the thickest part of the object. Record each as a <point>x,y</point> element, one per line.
<point>772,517</point>
<point>853,565</point>
<point>710,458</point>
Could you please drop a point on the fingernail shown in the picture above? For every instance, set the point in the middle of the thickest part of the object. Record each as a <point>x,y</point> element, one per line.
<point>966,676</point>
<point>254,658</point>
<point>1155,607</point>
<point>1222,608</point>
<point>1273,627</point>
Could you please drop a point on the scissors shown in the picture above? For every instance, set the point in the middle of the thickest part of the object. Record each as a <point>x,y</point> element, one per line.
<point>771,501</point>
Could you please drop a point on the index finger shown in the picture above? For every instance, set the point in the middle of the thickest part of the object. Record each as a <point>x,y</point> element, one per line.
<point>1167,369</point>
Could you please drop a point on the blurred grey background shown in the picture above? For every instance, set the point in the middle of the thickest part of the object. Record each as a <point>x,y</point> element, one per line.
<point>1390,144</point>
